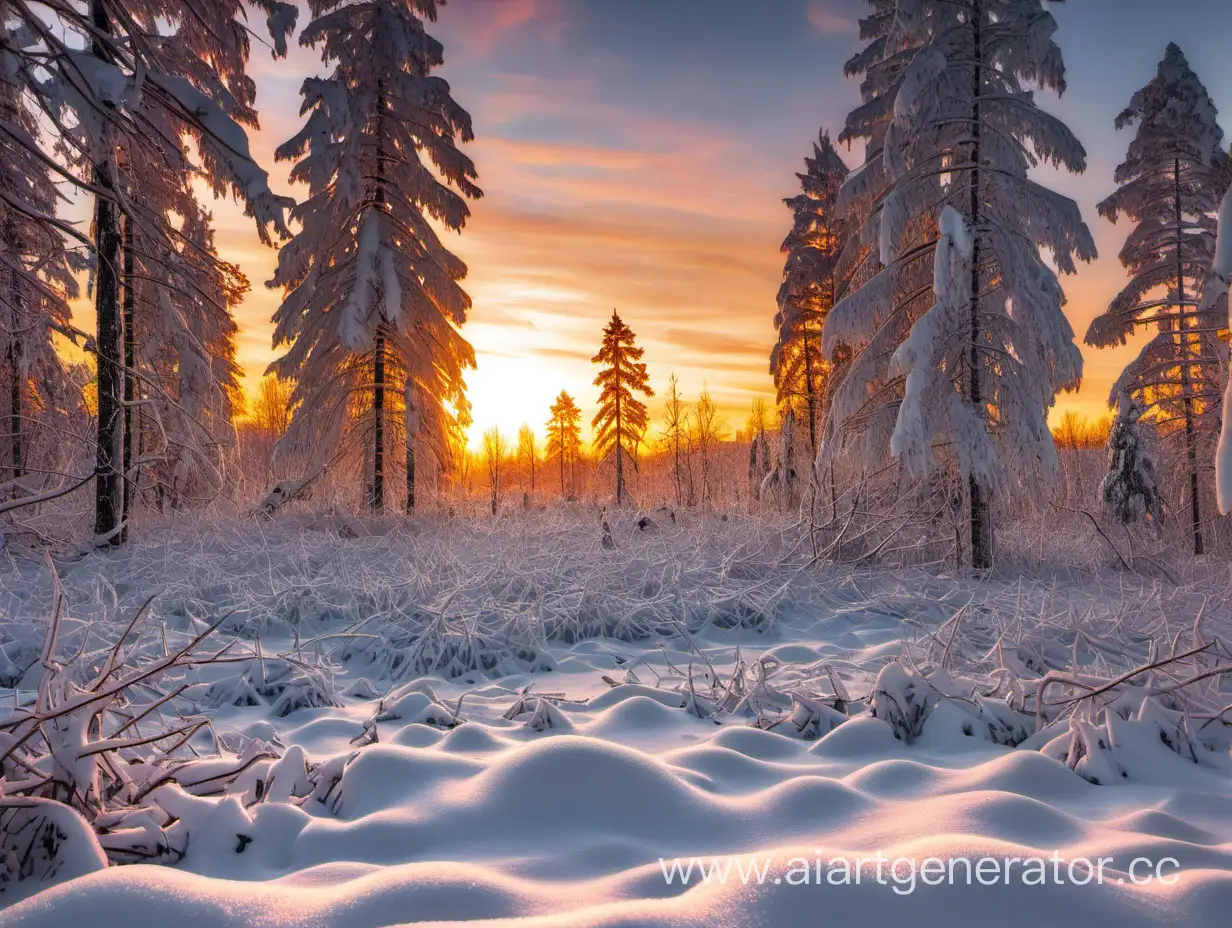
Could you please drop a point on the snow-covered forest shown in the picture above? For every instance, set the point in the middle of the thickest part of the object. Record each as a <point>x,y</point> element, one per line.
<point>319,644</point>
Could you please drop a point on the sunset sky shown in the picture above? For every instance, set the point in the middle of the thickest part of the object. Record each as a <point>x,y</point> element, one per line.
<point>635,154</point>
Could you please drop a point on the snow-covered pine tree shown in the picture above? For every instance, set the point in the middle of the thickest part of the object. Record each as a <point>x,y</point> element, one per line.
<point>620,422</point>
<point>36,283</point>
<point>372,303</point>
<point>964,133</point>
<point>180,376</point>
<point>146,64</point>
<point>860,336</point>
<point>1129,489</point>
<point>1170,186</point>
<point>179,340</point>
<point>1215,293</point>
<point>565,435</point>
<point>783,478</point>
<point>760,461</point>
<point>809,284</point>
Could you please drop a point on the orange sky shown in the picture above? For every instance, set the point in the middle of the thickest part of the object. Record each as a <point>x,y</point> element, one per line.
<point>614,181</point>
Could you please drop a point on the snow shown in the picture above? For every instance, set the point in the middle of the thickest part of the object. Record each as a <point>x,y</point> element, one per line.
<point>549,789</point>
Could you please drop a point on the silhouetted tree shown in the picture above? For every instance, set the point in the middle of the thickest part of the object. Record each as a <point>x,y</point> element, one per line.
<point>620,422</point>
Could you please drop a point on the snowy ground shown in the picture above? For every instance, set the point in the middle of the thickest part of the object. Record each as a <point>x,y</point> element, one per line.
<point>659,664</point>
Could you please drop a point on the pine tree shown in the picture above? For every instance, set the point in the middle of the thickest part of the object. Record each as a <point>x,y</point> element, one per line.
<point>372,303</point>
<point>860,336</point>
<point>620,422</point>
<point>783,478</point>
<point>760,461</point>
<point>1171,183</point>
<point>565,435</point>
<point>809,285</point>
<point>1129,488</point>
<point>179,340</point>
<point>984,363</point>
<point>36,283</point>
<point>145,75</point>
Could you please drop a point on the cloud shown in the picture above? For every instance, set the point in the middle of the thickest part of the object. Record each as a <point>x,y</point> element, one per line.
<point>827,22</point>
<point>719,343</point>
<point>490,22</point>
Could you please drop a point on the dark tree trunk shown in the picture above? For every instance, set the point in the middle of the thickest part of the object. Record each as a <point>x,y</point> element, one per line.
<point>1182,324</point>
<point>107,496</point>
<point>410,477</point>
<point>130,354</point>
<point>620,456</point>
<point>981,525</point>
<point>15,379</point>
<point>376,494</point>
<point>561,424</point>
<point>810,396</point>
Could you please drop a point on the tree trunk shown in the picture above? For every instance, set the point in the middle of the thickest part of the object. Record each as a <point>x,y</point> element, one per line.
<point>410,477</point>
<point>620,457</point>
<point>809,393</point>
<point>376,494</point>
<point>107,502</point>
<point>676,455</point>
<point>130,355</point>
<point>981,526</point>
<point>15,379</point>
<point>561,425</point>
<point>1182,324</point>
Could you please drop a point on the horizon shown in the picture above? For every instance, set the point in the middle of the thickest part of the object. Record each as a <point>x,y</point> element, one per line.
<point>669,210</point>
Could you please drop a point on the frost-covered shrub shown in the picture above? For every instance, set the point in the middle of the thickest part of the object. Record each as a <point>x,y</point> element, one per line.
<point>17,655</point>
<point>809,719</point>
<point>415,703</point>
<point>902,700</point>
<point>42,843</point>
<point>451,650</point>
<point>282,684</point>
<point>1139,746</point>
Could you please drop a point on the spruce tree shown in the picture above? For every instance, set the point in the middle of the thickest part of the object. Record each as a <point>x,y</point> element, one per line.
<point>809,284</point>
<point>620,422</point>
<point>1170,186</point>
<point>143,75</point>
<point>565,434</point>
<point>372,302</point>
<point>1129,488</point>
<point>860,336</point>
<point>983,364</point>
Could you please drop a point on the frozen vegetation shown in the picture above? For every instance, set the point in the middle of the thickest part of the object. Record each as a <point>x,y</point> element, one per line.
<point>370,723</point>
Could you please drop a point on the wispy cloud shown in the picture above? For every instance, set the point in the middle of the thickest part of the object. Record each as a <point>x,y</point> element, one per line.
<point>492,21</point>
<point>827,21</point>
